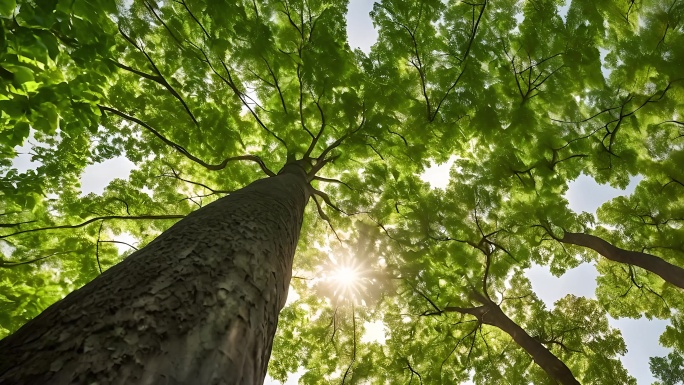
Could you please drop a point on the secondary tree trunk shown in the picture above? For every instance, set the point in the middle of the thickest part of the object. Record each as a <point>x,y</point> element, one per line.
<point>198,305</point>
<point>667,271</point>
<point>491,314</point>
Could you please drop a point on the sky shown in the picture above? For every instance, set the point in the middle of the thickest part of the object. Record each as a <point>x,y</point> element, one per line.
<point>584,194</point>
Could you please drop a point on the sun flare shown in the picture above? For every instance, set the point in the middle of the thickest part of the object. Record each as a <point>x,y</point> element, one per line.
<point>345,276</point>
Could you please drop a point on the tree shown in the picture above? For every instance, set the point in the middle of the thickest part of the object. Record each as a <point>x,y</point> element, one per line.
<point>244,243</point>
<point>208,97</point>
<point>200,303</point>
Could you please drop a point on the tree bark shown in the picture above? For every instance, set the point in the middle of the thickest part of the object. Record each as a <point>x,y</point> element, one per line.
<point>198,305</point>
<point>667,271</point>
<point>491,314</point>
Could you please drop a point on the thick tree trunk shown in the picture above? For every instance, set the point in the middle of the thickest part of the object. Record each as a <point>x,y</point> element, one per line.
<point>491,314</point>
<point>667,271</point>
<point>198,305</point>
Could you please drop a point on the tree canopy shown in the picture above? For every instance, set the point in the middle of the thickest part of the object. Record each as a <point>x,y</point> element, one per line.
<point>205,97</point>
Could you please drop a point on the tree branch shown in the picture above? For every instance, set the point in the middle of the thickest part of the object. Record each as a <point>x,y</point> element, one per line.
<point>97,247</point>
<point>322,158</point>
<point>158,79</point>
<point>182,150</point>
<point>353,346</point>
<point>176,175</point>
<point>89,221</point>
<point>121,243</point>
<point>9,264</point>
<point>667,271</point>
<point>329,180</point>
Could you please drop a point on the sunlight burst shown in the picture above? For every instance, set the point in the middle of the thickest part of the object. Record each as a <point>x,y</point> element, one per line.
<point>345,281</point>
<point>345,276</point>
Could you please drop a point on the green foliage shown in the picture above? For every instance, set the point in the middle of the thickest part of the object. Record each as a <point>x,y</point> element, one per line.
<point>207,96</point>
<point>668,370</point>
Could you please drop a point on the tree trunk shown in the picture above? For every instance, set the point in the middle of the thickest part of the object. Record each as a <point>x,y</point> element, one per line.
<point>667,271</point>
<point>198,305</point>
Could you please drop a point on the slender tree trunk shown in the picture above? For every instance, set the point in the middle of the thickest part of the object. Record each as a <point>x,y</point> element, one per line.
<point>667,271</point>
<point>491,314</point>
<point>198,305</point>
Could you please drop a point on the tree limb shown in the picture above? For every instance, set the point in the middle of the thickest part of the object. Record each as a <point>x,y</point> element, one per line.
<point>89,221</point>
<point>9,264</point>
<point>159,78</point>
<point>182,150</point>
<point>667,271</point>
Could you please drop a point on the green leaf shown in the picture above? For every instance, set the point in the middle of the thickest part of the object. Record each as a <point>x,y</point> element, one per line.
<point>7,8</point>
<point>20,133</point>
<point>22,75</point>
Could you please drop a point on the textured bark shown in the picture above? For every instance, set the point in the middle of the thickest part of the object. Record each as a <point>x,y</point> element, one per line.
<point>198,305</point>
<point>667,271</point>
<point>491,314</point>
